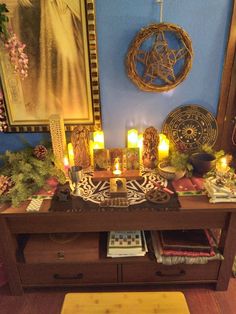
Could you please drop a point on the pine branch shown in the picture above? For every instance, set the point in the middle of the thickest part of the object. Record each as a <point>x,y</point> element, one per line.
<point>28,173</point>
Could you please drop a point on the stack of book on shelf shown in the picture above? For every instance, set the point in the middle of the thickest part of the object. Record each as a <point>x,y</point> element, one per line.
<point>184,246</point>
<point>126,243</point>
<point>220,191</point>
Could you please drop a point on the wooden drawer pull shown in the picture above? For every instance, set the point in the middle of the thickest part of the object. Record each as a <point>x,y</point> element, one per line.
<point>78,276</point>
<point>160,274</point>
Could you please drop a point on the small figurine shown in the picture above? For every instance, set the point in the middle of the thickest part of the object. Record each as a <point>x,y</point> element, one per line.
<point>119,184</point>
<point>63,192</point>
<point>80,143</point>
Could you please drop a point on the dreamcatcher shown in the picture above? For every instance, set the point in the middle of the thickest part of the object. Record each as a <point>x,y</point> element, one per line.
<point>160,56</point>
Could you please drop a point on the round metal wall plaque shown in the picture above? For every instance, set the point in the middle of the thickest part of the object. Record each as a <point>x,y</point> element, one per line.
<point>191,126</point>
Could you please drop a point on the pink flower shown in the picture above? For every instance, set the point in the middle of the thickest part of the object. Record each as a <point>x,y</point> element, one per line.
<point>18,58</point>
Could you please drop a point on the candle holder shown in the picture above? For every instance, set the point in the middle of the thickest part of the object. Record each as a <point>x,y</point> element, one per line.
<point>222,166</point>
<point>75,175</point>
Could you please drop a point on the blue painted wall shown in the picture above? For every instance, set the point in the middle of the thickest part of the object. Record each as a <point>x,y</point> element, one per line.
<point>123,104</point>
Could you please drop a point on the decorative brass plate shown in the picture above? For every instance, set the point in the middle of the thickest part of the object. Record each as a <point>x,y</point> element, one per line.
<point>191,126</point>
<point>160,57</point>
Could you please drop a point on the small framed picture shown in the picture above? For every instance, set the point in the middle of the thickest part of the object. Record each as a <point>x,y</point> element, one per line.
<point>116,154</point>
<point>132,158</point>
<point>101,159</point>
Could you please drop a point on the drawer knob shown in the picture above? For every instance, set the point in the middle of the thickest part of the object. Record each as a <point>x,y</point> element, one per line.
<point>60,255</point>
<point>180,273</point>
<point>77,276</point>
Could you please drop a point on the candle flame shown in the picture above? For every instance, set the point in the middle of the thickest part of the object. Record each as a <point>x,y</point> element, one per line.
<point>66,161</point>
<point>117,166</point>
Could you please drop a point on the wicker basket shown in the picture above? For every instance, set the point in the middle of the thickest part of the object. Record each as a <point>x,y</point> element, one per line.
<point>159,74</point>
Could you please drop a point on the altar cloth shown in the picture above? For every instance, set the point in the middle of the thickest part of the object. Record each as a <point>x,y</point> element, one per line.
<point>98,191</point>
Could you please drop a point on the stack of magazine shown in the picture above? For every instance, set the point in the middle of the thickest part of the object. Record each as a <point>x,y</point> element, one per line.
<point>184,246</point>
<point>126,243</point>
<point>186,242</point>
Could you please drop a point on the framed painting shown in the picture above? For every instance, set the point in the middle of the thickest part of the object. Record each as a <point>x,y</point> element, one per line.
<point>60,39</point>
<point>101,159</point>
<point>132,158</point>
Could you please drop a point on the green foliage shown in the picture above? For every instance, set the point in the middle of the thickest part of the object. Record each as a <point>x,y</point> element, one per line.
<point>180,161</point>
<point>3,21</point>
<point>28,173</point>
<point>210,150</point>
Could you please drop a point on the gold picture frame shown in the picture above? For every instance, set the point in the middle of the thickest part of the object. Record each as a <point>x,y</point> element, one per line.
<point>63,67</point>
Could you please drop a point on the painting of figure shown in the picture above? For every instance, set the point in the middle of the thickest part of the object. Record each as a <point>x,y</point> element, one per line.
<point>58,82</point>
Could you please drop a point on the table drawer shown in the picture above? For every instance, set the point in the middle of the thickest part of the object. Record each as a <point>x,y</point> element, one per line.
<point>71,274</point>
<point>153,272</point>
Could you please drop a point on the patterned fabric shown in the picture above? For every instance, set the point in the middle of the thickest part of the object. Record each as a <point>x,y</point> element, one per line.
<point>34,205</point>
<point>98,191</point>
<point>94,194</point>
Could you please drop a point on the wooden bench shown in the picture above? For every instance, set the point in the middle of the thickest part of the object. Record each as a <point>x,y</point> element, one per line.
<point>125,303</point>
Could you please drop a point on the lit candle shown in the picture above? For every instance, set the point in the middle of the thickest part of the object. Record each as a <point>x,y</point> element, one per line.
<point>222,165</point>
<point>132,138</point>
<point>140,145</point>
<point>91,146</point>
<point>140,141</point>
<point>117,170</point>
<point>98,138</point>
<point>66,166</point>
<point>163,147</point>
<point>66,163</point>
<point>71,154</point>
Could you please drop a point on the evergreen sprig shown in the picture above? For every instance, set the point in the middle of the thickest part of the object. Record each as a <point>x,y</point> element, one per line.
<point>28,173</point>
<point>180,161</point>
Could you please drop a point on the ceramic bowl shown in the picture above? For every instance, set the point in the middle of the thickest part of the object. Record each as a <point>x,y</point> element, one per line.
<point>169,172</point>
<point>202,162</point>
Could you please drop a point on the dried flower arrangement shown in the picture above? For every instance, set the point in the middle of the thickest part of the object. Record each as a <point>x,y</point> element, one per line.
<point>3,118</point>
<point>17,57</point>
<point>13,45</point>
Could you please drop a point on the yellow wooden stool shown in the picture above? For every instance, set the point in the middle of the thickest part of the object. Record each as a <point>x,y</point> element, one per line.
<point>125,303</point>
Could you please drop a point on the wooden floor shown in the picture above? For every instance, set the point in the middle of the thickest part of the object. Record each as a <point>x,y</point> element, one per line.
<point>200,299</point>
